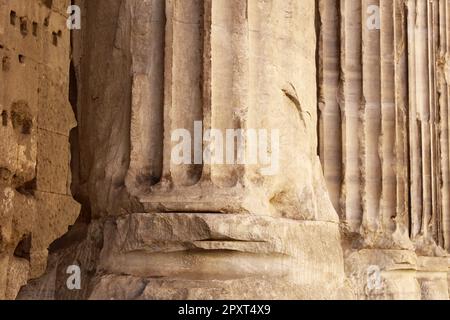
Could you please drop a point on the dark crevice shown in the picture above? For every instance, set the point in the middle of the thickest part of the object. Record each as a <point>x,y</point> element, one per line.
<point>6,65</point>
<point>12,18</point>
<point>35,29</point>
<point>318,25</point>
<point>4,118</point>
<point>24,26</point>
<point>79,230</point>
<point>28,188</point>
<point>23,249</point>
<point>21,58</point>
<point>55,39</point>
<point>408,128</point>
<point>85,215</point>
<point>48,3</point>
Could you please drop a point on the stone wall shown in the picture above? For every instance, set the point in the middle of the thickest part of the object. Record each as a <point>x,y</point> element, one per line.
<point>36,206</point>
<point>384,141</point>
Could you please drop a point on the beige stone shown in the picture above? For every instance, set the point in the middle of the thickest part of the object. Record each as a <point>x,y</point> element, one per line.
<point>36,207</point>
<point>383,99</point>
<point>360,207</point>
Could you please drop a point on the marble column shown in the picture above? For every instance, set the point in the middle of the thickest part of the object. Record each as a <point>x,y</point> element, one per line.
<point>391,88</point>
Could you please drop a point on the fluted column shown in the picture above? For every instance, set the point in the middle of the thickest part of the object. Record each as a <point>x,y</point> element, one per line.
<point>209,69</point>
<point>402,146</point>
<point>445,118</point>
<point>371,102</point>
<point>230,78</point>
<point>147,120</point>
<point>388,205</point>
<point>238,69</point>
<point>393,94</point>
<point>350,101</point>
<point>330,112</point>
<point>183,80</point>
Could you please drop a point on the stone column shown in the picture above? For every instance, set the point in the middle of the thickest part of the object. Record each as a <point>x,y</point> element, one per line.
<point>165,231</point>
<point>394,128</point>
<point>205,69</point>
<point>209,230</point>
<point>199,68</point>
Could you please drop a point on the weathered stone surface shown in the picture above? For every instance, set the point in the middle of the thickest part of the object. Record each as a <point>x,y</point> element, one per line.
<point>218,247</point>
<point>36,207</point>
<point>357,89</point>
<point>383,100</point>
<point>231,65</point>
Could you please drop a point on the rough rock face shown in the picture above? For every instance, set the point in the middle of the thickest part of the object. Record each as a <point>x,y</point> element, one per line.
<point>362,81</point>
<point>384,141</point>
<point>36,206</point>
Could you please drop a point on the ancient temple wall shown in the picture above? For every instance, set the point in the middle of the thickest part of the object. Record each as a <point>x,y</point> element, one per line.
<point>36,206</point>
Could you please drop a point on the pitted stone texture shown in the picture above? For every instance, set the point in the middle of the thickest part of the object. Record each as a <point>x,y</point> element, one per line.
<point>36,206</point>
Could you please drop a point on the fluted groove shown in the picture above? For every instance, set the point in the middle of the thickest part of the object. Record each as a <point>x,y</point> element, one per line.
<point>330,112</point>
<point>350,97</point>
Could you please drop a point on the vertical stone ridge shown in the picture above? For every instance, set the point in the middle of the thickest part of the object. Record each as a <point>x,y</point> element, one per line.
<point>184,42</point>
<point>423,105</point>
<point>147,112</point>
<point>415,141</point>
<point>230,83</point>
<point>371,119</point>
<point>329,111</point>
<point>350,97</point>
<point>388,207</point>
<point>207,79</point>
<point>401,107</point>
<point>444,47</point>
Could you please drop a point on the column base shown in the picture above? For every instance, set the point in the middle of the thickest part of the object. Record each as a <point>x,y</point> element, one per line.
<point>397,275</point>
<point>215,256</point>
<point>202,197</point>
<point>432,275</point>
